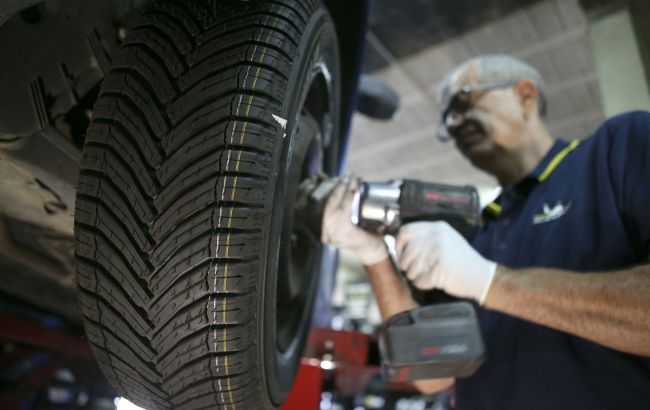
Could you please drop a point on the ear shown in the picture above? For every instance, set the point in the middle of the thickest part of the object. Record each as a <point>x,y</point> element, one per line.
<point>528,97</point>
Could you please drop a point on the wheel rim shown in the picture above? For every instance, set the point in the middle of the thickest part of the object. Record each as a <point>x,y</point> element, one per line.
<point>299,250</point>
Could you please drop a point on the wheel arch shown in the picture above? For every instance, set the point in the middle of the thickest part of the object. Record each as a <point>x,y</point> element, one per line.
<point>351,21</point>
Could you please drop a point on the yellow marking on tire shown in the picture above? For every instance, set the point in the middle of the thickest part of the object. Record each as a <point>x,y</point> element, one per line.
<point>232,198</point>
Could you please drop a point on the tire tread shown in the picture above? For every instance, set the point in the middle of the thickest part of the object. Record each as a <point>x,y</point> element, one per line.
<point>179,159</point>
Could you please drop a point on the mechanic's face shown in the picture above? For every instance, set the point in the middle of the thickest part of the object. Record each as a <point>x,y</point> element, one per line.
<point>493,121</point>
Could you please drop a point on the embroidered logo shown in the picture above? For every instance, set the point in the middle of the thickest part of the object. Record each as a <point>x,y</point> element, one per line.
<point>550,214</point>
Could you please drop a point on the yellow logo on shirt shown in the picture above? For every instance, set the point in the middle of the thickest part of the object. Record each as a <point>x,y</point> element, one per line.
<point>550,214</point>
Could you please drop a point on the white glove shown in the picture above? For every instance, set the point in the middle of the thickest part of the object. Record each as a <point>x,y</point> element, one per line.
<point>338,229</point>
<point>435,255</point>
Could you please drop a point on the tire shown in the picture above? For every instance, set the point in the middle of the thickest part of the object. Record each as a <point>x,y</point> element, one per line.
<point>195,284</point>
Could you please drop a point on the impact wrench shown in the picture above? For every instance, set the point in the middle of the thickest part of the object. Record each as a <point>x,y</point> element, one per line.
<point>434,341</point>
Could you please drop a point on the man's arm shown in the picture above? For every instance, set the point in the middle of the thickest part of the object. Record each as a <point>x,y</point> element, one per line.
<point>393,296</point>
<point>609,308</point>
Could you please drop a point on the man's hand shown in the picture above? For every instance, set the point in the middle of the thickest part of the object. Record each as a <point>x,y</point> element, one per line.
<point>435,255</point>
<point>338,229</point>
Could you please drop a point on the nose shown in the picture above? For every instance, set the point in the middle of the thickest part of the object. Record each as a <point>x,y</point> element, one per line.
<point>453,119</point>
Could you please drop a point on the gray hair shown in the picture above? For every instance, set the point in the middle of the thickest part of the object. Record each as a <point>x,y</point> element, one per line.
<point>497,68</point>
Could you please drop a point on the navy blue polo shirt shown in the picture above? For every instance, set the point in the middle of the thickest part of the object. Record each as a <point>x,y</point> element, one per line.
<point>584,208</point>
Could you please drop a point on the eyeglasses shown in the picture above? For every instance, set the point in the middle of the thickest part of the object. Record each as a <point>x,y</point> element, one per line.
<point>459,103</point>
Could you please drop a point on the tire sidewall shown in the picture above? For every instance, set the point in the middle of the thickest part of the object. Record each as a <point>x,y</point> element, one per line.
<point>319,45</point>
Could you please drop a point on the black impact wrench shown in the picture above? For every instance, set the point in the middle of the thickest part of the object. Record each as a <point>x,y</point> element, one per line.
<point>433,341</point>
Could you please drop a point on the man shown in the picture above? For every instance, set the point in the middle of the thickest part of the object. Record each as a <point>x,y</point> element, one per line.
<point>560,267</point>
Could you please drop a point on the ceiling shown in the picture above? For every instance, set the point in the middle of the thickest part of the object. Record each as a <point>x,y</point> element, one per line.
<point>411,45</point>
<point>406,28</point>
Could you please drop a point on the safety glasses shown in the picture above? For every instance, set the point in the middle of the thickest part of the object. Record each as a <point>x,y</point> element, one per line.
<point>459,103</point>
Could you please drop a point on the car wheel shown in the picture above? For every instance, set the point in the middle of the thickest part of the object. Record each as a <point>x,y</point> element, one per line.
<point>195,282</point>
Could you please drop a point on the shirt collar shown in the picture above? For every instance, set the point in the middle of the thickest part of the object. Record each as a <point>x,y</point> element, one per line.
<point>559,150</point>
